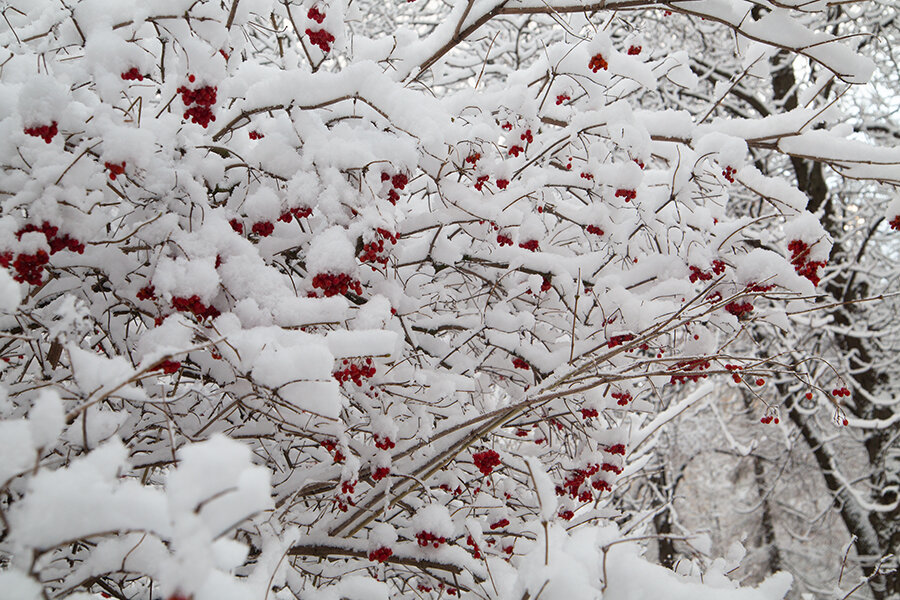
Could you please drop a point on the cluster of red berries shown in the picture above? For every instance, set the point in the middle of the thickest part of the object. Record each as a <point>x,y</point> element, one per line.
<point>574,484</point>
<point>374,251</point>
<point>566,515</point>
<point>758,287</point>
<point>741,310</point>
<point>447,489</point>
<point>381,554</point>
<point>255,135</point>
<point>502,183</point>
<point>398,182</point>
<point>838,392</point>
<point>634,50</point>
<point>611,468</point>
<point>198,103</point>
<point>895,222</point>
<point>486,461</point>
<point>300,212</point>
<point>321,38</point>
<point>168,366</point>
<point>426,538</point>
<point>504,240</point>
<point>114,169</point>
<point>598,62</point>
<point>527,137</point>
<point>618,340</point>
<point>263,228</point>
<point>355,373</point>
<point>520,364</point>
<point>728,173</point>
<point>195,306</point>
<point>594,229</point>
<point>769,418</point>
<point>132,74</point>
<point>480,181</point>
<point>29,267</point>
<point>499,524</point>
<point>587,176</point>
<point>332,446</point>
<point>332,285</point>
<point>799,258</point>
<point>616,449</point>
<point>545,285</point>
<point>629,195</point>
<point>515,150</point>
<point>689,370</point>
<point>562,98</point>
<point>384,443</point>
<point>380,473</point>
<point>237,226</point>
<point>698,274</point>
<point>148,292</point>
<point>56,242</point>
<point>473,158</point>
<point>734,375</point>
<point>531,245</point>
<point>622,398</point>
<point>316,15</point>
<point>47,132</point>
<point>344,500</point>
<point>639,163</point>
<point>476,551</point>
<point>587,413</point>
<point>295,213</point>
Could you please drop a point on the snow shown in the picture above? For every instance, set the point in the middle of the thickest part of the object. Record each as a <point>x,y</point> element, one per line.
<point>16,585</point>
<point>17,448</point>
<point>10,292</point>
<point>352,587</point>
<point>84,499</point>
<point>46,419</point>
<point>94,373</point>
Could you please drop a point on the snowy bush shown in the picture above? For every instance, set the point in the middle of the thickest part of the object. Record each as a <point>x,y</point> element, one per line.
<point>363,300</point>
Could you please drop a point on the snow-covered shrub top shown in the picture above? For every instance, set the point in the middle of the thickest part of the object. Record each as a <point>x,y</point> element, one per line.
<point>294,290</point>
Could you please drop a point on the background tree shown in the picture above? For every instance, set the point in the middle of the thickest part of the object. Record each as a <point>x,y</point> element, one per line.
<point>856,329</point>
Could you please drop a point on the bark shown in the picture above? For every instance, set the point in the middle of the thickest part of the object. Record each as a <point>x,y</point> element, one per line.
<point>878,533</point>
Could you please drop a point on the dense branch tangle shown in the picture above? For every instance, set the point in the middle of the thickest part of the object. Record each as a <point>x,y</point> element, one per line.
<point>394,287</point>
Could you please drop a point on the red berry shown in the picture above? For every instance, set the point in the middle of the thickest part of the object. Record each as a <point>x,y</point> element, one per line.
<point>46,132</point>
<point>321,38</point>
<point>598,62</point>
<point>486,461</point>
<point>263,228</point>
<point>381,554</point>
<point>168,366</point>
